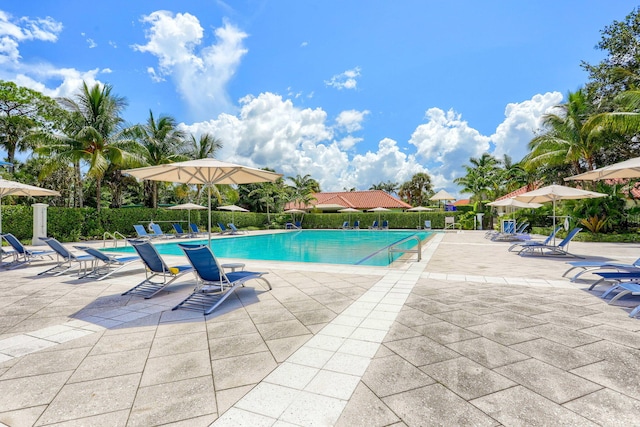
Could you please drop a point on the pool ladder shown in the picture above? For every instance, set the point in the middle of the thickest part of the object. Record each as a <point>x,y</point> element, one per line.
<point>115,236</point>
<point>394,248</point>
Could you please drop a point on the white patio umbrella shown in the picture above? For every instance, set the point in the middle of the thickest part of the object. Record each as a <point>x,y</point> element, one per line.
<point>233,209</point>
<point>204,171</point>
<point>378,209</point>
<point>419,209</point>
<point>514,204</point>
<point>187,207</point>
<point>349,211</point>
<point>553,193</point>
<point>627,169</point>
<point>442,195</point>
<point>13,188</point>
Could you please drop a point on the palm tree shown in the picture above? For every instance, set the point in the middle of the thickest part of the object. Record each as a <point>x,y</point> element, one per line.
<point>482,179</point>
<point>302,190</point>
<point>94,135</point>
<point>203,147</point>
<point>566,140</point>
<point>160,141</point>
<point>416,191</point>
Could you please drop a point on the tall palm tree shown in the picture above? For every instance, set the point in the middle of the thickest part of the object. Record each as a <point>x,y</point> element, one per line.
<point>203,147</point>
<point>160,141</point>
<point>302,189</point>
<point>94,135</point>
<point>482,179</point>
<point>566,139</point>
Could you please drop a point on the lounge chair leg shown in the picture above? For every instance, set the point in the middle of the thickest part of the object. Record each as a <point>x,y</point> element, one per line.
<point>620,295</point>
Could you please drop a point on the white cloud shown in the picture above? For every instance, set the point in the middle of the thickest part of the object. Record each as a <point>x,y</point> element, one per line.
<point>346,80</point>
<point>70,79</point>
<point>91,43</point>
<point>13,31</point>
<point>349,141</point>
<point>351,120</point>
<point>521,121</point>
<point>448,142</point>
<point>304,44</point>
<point>201,74</point>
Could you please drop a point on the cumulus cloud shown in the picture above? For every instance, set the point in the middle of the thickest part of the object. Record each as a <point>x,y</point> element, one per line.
<point>448,141</point>
<point>521,121</point>
<point>351,120</point>
<point>346,80</point>
<point>16,30</point>
<point>201,73</point>
<point>272,131</point>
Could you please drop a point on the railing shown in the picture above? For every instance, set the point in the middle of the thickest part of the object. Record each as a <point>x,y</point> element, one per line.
<point>395,248</point>
<point>113,236</point>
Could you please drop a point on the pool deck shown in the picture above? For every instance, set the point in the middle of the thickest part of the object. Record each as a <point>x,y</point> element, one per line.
<point>471,335</point>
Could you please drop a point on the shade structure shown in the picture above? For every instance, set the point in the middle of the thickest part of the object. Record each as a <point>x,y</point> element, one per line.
<point>13,188</point>
<point>419,209</point>
<point>442,195</point>
<point>627,169</point>
<point>349,211</point>
<point>513,203</point>
<point>553,193</point>
<point>187,207</point>
<point>378,209</point>
<point>233,209</point>
<point>207,172</point>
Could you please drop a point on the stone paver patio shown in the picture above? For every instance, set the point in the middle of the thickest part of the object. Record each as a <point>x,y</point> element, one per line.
<point>471,335</point>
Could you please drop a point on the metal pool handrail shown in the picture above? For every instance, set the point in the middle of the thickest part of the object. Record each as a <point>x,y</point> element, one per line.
<point>114,236</point>
<point>394,248</point>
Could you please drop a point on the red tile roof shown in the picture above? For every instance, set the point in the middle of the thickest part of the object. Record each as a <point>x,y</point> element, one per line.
<point>462,202</point>
<point>356,199</point>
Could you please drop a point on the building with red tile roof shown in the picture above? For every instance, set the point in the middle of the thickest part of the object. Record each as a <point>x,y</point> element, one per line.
<point>353,199</point>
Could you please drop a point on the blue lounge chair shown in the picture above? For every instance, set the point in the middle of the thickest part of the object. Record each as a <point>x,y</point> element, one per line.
<point>67,260</point>
<point>385,225</point>
<point>234,229</point>
<point>142,232</point>
<point>374,225</point>
<point>356,225</point>
<point>22,255</point>
<point>345,225</point>
<point>223,229</point>
<point>214,286</point>
<point>179,231</point>
<point>195,231</point>
<point>427,224</point>
<point>106,264</point>
<point>522,245</point>
<point>155,266</point>
<point>617,277</point>
<point>625,288</point>
<point>596,266</point>
<point>157,232</point>
<point>560,249</point>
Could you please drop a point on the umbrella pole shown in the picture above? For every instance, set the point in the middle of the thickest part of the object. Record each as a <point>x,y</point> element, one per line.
<point>554,221</point>
<point>209,216</point>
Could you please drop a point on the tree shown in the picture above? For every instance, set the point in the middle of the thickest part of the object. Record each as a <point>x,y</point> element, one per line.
<point>23,111</point>
<point>203,147</point>
<point>417,191</point>
<point>302,190</point>
<point>482,179</point>
<point>160,141</point>
<point>389,187</point>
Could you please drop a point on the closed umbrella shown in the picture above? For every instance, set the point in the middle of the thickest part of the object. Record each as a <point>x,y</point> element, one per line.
<point>233,209</point>
<point>553,193</point>
<point>188,207</point>
<point>13,188</point>
<point>208,172</point>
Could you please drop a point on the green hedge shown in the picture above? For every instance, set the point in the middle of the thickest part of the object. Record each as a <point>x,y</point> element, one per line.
<point>75,224</point>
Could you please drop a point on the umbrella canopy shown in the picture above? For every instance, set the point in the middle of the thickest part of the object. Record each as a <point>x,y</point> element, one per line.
<point>207,172</point>
<point>442,195</point>
<point>553,193</point>
<point>513,202</point>
<point>294,211</point>
<point>187,207</point>
<point>328,206</point>
<point>349,211</point>
<point>378,209</point>
<point>13,188</point>
<point>233,209</point>
<point>627,169</point>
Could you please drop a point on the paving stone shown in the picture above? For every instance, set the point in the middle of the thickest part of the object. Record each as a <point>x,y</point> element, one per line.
<point>176,367</point>
<point>366,409</point>
<point>612,375</point>
<point>110,365</point>
<point>487,352</point>
<point>421,350</point>
<point>606,407</point>
<point>242,370</point>
<point>555,354</point>
<point>22,417</point>
<point>24,392</point>
<point>392,374</point>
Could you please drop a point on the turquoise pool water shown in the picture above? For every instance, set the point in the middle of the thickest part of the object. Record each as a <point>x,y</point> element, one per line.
<point>354,247</point>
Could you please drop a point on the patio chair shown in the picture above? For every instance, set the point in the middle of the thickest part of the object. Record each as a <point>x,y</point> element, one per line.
<point>450,223</point>
<point>546,241</point>
<point>106,264</point>
<point>374,225</point>
<point>22,255</point>
<point>345,225</point>
<point>356,225</point>
<point>234,229</point>
<point>67,260</point>
<point>157,232</point>
<point>617,277</point>
<point>385,225</point>
<point>223,228</point>
<point>195,231</point>
<point>179,231</point>
<point>155,267</point>
<point>625,288</point>
<point>427,224</point>
<point>595,266</point>
<point>213,286</point>
<point>142,232</point>
<point>561,249</point>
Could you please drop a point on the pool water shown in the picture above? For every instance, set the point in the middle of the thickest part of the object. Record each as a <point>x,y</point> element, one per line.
<point>354,247</point>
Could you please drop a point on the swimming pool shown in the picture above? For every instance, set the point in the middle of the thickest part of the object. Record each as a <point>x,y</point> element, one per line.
<point>354,247</point>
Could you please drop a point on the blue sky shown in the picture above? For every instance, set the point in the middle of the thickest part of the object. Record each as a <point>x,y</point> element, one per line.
<point>351,92</point>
